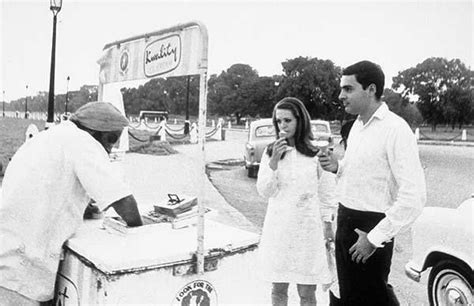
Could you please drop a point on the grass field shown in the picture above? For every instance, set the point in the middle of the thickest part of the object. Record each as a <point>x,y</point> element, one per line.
<point>12,136</point>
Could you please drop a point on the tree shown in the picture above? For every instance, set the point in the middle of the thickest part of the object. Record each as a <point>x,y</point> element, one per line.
<point>168,94</point>
<point>458,106</point>
<point>315,82</point>
<point>227,92</point>
<point>429,82</point>
<point>402,107</point>
<point>259,97</point>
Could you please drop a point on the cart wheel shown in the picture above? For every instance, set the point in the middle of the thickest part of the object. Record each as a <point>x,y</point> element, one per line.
<point>450,283</point>
<point>252,171</point>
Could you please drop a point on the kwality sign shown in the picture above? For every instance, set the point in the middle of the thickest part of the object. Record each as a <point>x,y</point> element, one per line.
<point>158,54</point>
<point>162,56</point>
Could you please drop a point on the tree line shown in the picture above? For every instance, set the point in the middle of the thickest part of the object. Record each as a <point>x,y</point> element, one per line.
<point>436,91</point>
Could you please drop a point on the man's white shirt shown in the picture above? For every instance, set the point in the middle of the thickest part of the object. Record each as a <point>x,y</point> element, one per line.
<point>381,172</point>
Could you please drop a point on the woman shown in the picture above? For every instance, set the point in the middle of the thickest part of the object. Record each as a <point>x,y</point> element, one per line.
<point>300,207</point>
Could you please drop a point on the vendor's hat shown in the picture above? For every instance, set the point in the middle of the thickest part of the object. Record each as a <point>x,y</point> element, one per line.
<point>100,116</point>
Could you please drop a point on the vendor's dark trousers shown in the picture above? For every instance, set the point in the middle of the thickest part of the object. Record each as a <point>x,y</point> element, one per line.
<point>359,283</point>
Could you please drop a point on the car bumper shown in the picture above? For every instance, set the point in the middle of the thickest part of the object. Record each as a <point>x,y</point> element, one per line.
<point>252,164</point>
<point>412,271</point>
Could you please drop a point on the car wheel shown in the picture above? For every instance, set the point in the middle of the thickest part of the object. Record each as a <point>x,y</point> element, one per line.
<point>252,171</point>
<point>450,283</point>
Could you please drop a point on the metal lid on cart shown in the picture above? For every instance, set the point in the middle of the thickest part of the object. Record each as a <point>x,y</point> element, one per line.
<point>153,247</point>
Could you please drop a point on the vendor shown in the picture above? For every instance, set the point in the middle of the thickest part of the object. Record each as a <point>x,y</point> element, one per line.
<point>47,186</point>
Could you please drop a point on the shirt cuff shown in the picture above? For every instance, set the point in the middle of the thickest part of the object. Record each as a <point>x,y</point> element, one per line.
<point>377,238</point>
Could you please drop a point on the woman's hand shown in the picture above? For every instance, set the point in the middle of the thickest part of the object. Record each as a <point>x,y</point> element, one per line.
<point>279,147</point>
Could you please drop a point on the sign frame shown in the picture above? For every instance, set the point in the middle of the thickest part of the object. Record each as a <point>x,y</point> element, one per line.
<point>202,65</point>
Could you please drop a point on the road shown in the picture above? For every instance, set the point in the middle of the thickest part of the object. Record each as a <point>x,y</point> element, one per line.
<point>449,175</point>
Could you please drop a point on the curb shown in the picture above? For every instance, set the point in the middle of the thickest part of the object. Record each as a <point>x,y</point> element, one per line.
<point>446,143</point>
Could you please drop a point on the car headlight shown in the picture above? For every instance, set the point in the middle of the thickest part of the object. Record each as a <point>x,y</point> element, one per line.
<point>250,149</point>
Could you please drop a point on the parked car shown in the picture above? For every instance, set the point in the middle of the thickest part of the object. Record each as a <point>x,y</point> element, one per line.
<point>261,133</point>
<point>443,241</point>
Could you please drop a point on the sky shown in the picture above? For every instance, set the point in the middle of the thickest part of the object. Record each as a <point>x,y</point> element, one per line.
<point>261,33</point>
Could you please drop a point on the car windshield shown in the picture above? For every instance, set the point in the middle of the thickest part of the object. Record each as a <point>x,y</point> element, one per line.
<point>265,131</point>
<point>319,128</point>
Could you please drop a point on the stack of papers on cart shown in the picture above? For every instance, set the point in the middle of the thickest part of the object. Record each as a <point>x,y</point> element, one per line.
<point>176,205</point>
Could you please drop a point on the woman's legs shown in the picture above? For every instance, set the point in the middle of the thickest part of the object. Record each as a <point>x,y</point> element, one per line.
<point>279,294</point>
<point>307,294</point>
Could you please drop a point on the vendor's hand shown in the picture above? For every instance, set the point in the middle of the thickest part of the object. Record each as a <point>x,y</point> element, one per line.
<point>328,161</point>
<point>279,147</point>
<point>362,249</point>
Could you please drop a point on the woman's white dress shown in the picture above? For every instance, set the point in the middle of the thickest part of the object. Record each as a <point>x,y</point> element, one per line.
<point>300,197</point>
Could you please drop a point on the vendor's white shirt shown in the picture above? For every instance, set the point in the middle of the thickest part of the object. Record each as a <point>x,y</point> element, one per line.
<point>46,187</point>
<point>381,172</point>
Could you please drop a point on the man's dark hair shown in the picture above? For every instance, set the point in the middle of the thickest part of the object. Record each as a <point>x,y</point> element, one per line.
<point>367,73</point>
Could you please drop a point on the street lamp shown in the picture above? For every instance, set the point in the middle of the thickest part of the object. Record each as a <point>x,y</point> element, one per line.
<point>3,107</point>
<point>55,7</point>
<point>26,103</point>
<point>67,93</point>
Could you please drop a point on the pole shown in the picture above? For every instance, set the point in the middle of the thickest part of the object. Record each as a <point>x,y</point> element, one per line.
<point>26,103</point>
<point>186,121</point>
<point>67,94</point>
<point>50,119</point>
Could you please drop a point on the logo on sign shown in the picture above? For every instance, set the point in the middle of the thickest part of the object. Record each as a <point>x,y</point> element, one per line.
<point>198,292</point>
<point>162,55</point>
<point>124,61</point>
<point>66,292</point>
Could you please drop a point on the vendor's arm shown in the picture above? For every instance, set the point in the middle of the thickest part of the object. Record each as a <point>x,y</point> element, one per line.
<point>127,209</point>
<point>411,197</point>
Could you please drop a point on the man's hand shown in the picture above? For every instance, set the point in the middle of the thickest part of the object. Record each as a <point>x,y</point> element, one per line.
<point>328,161</point>
<point>328,232</point>
<point>362,249</point>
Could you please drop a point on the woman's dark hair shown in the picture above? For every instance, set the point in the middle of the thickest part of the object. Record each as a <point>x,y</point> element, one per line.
<point>303,133</point>
<point>367,73</point>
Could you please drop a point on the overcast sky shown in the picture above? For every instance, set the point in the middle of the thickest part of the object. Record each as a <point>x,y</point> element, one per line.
<point>395,34</point>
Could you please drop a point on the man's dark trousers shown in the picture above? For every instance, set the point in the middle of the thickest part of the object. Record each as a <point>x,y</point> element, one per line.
<point>359,283</point>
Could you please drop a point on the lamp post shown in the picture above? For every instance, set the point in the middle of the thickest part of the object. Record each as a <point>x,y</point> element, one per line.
<point>55,7</point>
<point>3,106</point>
<point>26,103</point>
<point>67,94</point>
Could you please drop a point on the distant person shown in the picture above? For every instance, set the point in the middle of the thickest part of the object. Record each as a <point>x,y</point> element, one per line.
<point>300,208</point>
<point>46,189</point>
<point>381,188</point>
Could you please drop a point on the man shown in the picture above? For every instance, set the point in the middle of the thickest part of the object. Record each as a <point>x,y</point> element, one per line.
<point>46,188</point>
<point>381,188</point>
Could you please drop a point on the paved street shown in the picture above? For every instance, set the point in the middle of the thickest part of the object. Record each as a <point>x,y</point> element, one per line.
<point>449,174</point>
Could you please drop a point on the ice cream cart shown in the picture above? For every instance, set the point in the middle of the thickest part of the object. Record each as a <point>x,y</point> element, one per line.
<point>156,264</point>
<point>206,263</point>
